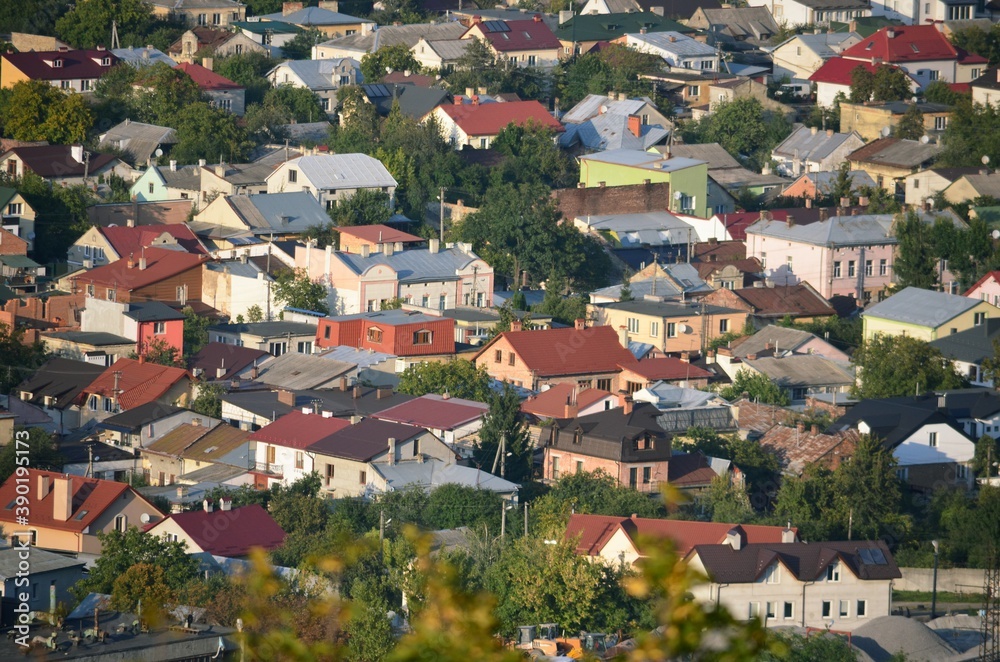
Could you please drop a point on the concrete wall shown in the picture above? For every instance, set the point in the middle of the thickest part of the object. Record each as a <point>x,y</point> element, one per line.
<point>950,580</point>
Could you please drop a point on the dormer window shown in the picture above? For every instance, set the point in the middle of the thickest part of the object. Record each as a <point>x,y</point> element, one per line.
<point>106,62</point>
<point>422,337</point>
<point>578,436</point>
<point>374,334</point>
<point>57,63</point>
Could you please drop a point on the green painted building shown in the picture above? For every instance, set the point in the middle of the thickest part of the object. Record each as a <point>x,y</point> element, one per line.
<point>688,178</point>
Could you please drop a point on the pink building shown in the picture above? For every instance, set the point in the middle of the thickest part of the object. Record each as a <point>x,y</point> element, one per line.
<point>838,256</point>
<point>986,289</point>
<point>429,277</point>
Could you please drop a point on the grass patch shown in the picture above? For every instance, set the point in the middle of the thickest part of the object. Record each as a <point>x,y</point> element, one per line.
<point>942,597</point>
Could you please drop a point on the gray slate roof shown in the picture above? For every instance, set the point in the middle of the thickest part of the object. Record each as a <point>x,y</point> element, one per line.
<point>263,212</point>
<point>785,338</point>
<point>343,171</point>
<point>314,16</point>
<point>319,75</point>
<point>390,35</point>
<point>677,43</point>
<point>972,345</point>
<point>244,174</point>
<point>922,307</point>
<point>41,562</point>
<point>413,265</point>
<point>143,57</point>
<point>413,101</point>
<point>667,309</point>
<point>610,131</point>
<point>985,185</point>
<point>825,44</point>
<point>434,473</point>
<point>860,230</point>
<point>449,49</point>
<point>802,370</point>
<point>808,146</point>
<point>267,329</point>
<point>591,106</point>
<point>714,153</point>
<point>682,277</point>
<point>186,177</point>
<point>301,371</point>
<point>137,140</point>
<point>362,358</point>
<point>902,153</point>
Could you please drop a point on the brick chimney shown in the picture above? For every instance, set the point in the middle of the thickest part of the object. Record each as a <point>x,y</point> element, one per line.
<point>290,8</point>
<point>623,336</point>
<point>286,397</point>
<point>62,499</point>
<point>356,392</point>
<point>627,404</point>
<point>800,426</point>
<point>635,125</point>
<point>571,409</point>
<point>579,324</point>
<point>537,18</point>
<point>392,450</point>
<point>207,505</point>
<point>516,325</point>
<point>383,392</point>
<point>814,429</point>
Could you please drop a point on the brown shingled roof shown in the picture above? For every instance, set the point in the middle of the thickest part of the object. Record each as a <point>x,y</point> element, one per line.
<point>796,300</point>
<point>798,447</point>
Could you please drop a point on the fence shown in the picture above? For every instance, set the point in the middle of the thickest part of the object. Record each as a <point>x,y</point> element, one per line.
<point>950,580</point>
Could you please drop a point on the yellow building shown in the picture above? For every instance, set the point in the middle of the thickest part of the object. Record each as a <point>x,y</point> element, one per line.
<point>925,314</point>
<point>870,119</point>
<point>203,13</point>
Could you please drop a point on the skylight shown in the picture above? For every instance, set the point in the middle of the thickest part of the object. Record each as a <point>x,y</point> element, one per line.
<point>869,46</point>
<point>914,47</point>
<point>81,515</point>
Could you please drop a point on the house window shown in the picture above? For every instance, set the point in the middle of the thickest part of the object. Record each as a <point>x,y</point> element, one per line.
<point>789,611</point>
<point>633,325</point>
<point>86,251</point>
<point>902,473</point>
<point>941,123</point>
<point>845,608</point>
<point>754,611</point>
<point>851,271</point>
<point>299,460</point>
<point>688,203</point>
<point>654,329</point>
<point>202,19</point>
<point>532,60</point>
<point>932,74</point>
<point>14,209</point>
<point>555,468</point>
<point>109,405</point>
<point>579,466</point>
<point>647,475</point>
<point>330,473</point>
<point>304,347</point>
<point>121,523</point>
<point>293,175</point>
<point>763,259</point>
<point>111,294</point>
<point>961,472</point>
<point>869,268</point>
<point>64,84</point>
<point>862,608</point>
<point>671,330</point>
<point>510,358</point>
<point>883,267</point>
<point>277,348</point>
<point>633,477</point>
<point>152,187</point>
<point>707,64</point>
<point>833,573</point>
<point>932,439</point>
<point>498,356</point>
<point>836,269</point>
<point>604,384</point>
<point>371,306</point>
<point>578,437</point>
<point>216,19</point>
<point>85,85</point>
<point>442,302</point>
<point>363,477</point>
<point>827,608</point>
<point>723,326</point>
<point>374,334</point>
<point>92,403</point>
<point>692,90</point>
<point>180,293</point>
<point>772,609</point>
<point>326,332</point>
<point>425,301</point>
<point>159,328</point>
<point>773,575</point>
<point>416,447</point>
<point>979,318</point>
<point>422,337</point>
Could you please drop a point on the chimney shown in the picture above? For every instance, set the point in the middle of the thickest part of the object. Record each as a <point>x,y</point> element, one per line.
<point>470,92</point>
<point>173,165</point>
<point>131,261</point>
<point>76,151</point>
<point>623,336</point>
<point>392,450</point>
<point>388,249</point>
<point>686,357</point>
<point>181,491</point>
<point>355,419</point>
<point>207,505</point>
<point>44,486</point>
<point>800,426</point>
<point>809,203</point>
<point>481,91</point>
<point>142,263</point>
<point>570,409</point>
<point>673,38</point>
<point>516,325</point>
<point>290,7</point>
<point>307,410</point>
<point>814,429</point>
<point>458,99</point>
<point>365,250</point>
<point>477,19</point>
<point>434,246</point>
<point>327,414</point>
<point>845,202</point>
<point>601,184</point>
<point>475,100</point>
<point>331,5</point>
<point>286,397</point>
<point>814,130</point>
<point>829,133</point>
<point>627,405</point>
<point>383,392</point>
<point>62,499</point>
<point>734,538</point>
<point>537,18</point>
<point>642,30</point>
<point>579,324</point>
<point>317,407</point>
<point>225,504</point>
<point>202,163</point>
<point>356,392</point>
<point>890,34</point>
<point>207,62</point>
<point>788,534</point>
<point>343,384</point>
<point>130,222</point>
<point>635,125</point>
<point>220,170</point>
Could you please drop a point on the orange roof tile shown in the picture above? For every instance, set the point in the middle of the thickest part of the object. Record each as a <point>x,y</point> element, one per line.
<point>138,382</point>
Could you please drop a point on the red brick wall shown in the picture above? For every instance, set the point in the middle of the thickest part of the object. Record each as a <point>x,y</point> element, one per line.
<point>396,339</point>
<point>573,202</point>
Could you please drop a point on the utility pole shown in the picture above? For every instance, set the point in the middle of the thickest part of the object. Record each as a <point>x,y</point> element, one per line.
<point>381,528</point>
<point>525,520</point>
<point>441,209</point>
<point>503,520</point>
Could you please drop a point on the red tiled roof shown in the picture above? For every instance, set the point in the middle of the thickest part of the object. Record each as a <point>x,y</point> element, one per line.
<point>415,79</point>
<point>126,240</point>
<point>837,70</point>
<point>76,64</point>
<point>907,43</point>
<point>758,417</point>
<point>378,234</point>
<point>91,497</point>
<point>138,382</point>
<point>960,88</point>
<point>990,275</point>
<point>487,119</point>
<point>572,351</point>
<point>297,429</point>
<point>552,403</point>
<point>596,530</point>
<point>668,368</point>
<point>161,263</point>
<point>433,411</point>
<point>207,79</point>
<point>231,533</point>
<point>527,35</point>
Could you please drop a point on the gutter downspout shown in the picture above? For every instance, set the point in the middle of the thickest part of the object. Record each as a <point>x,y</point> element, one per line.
<point>804,601</point>
<point>718,594</point>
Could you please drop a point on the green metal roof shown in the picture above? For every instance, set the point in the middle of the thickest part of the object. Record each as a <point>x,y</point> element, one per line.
<point>19,261</point>
<point>6,194</point>
<point>604,27</point>
<point>865,26</point>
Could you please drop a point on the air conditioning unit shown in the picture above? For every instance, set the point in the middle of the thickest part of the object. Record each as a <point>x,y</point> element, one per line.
<point>88,263</point>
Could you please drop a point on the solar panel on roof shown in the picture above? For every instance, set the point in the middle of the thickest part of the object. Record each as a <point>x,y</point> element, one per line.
<point>497,26</point>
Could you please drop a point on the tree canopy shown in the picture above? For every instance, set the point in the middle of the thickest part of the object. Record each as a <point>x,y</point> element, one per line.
<point>757,387</point>
<point>296,290</point>
<point>743,128</point>
<point>459,378</point>
<point>892,366</point>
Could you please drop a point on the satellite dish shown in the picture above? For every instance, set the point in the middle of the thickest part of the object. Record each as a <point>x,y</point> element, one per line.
<point>685,328</point>
<point>97,458</point>
<point>996,234</point>
<point>144,518</point>
<point>930,202</point>
<point>158,152</point>
<point>914,99</point>
<point>31,236</point>
<point>886,131</point>
<point>924,140</point>
<point>986,160</point>
<point>678,195</point>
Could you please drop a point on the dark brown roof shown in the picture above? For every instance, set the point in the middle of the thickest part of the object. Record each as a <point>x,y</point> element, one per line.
<point>758,417</point>
<point>611,434</point>
<point>62,379</point>
<point>217,355</point>
<point>74,65</point>
<point>207,38</point>
<point>796,300</point>
<point>750,265</point>
<point>58,161</point>
<point>797,448</point>
<point>690,470</point>
<point>723,251</point>
<point>867,559</point>
<point>365,440</point>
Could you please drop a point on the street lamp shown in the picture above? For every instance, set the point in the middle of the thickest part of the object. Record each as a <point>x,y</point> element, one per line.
<point>934,592</point>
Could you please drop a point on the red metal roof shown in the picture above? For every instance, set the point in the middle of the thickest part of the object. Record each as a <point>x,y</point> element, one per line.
<point>596,530</point>
<point>207,79</point>
<point>837,71</point>
<point>378,234</point>
<point>138,382</point>
<point>668,368</point>
<point>161,263</point>
<point>74,64</point>
<point>551,352</point>
<point>904,43</point>
<point>990,275</point>
<point>231,533</point>
<point>487,119</point>
<point>126,240</point>
<point>435,412</point>
<point>297,429</point>
<point>91,497</point>
<point>552,402</point>
<point>527,35</point>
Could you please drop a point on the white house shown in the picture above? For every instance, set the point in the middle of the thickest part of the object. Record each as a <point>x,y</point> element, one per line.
<point>676,49</point>
<point>801,56</point>
<point>322,77</point>
<point>814,12</point>
<point>810,150</point>
<point>986,88</point>
<point>234,286</point>
<point>925,11</point>
<point>332,177</point>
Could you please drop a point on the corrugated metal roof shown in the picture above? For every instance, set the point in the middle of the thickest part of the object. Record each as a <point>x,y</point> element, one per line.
<point>286,213</point>
<point>314,16</point>
<point>449,49</point>
<point>675,42</point>
<point>362,358</point>
<point>415,264</point>
<point>301,371</point>
<point>343,171</point>
<point>320,74</point>
<point>808,144</point>
<point>913,305</point>
<point>590,106</point>
<point>138,141</point>
<point>802,371</point>
<point>435,473</point>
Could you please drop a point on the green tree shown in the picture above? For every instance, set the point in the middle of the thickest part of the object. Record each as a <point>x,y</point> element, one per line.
<point>209,400</point>
<point>727,501</point>
<point>940,92</point>
<point>982,42</point>
<point>250,71</point>
<point>459,378</point>
<point>625,294</point>
<point>911,125</point>
<point>365,207</point>
<point>300,46</point>
<point>145,583</point>
<point>987,454</point>
<point>504,423</point>
<point>893,366</point>
<point>369,632</point>
<point>451,506</point>
<point>34,110</point>
<point>744,129</point>
<point>760,468</point>
<point>890,84</point>
<point>806,501</point>
<point>862,84</point>
<point>158,351</point>
<point>295,289</point>
<point>970,135</point>
<point>397,57</point>
<point>195,331</point>
<point>88,24</point>
<point>40,449</point>
<point>207,132</point>
<point>915,264</point>
<point>533,156</point>
<point>156,94</point>
<point>595,493</point>
<point>120,550</point>
<point>757,387</point>
<point>869,494</point>
<point>300,103</point>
